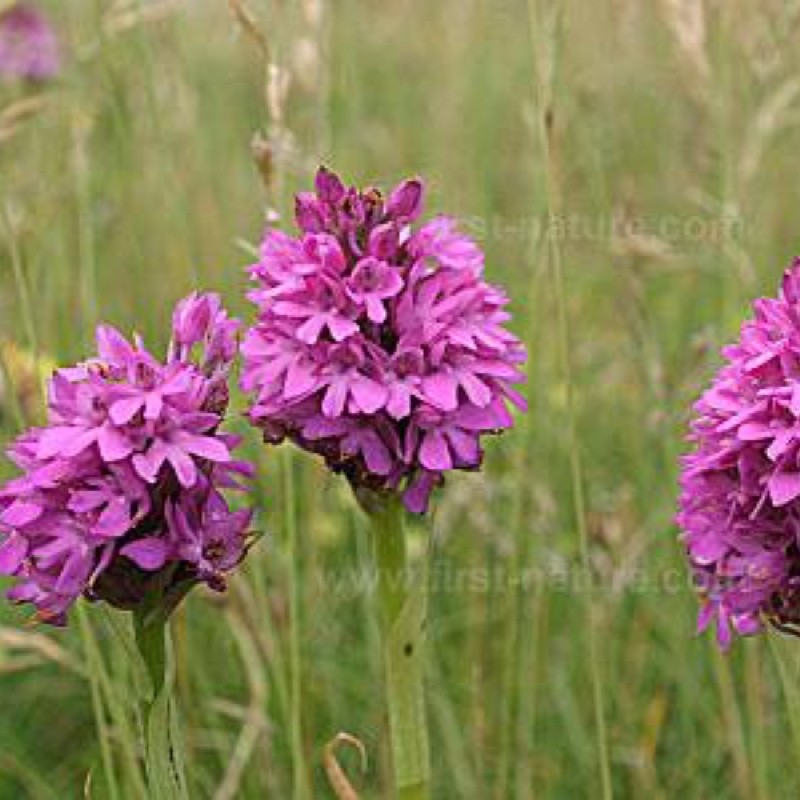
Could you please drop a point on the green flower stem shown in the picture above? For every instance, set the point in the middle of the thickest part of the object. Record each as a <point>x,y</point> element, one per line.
<point>402,619</point>
<point>163,750</point>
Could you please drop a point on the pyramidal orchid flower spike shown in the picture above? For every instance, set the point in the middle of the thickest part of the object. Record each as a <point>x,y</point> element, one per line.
<point>379,345</point>
<point>28,44</point>
<point>121,498</point>
<point>122,491</point>
<point>740,486</point>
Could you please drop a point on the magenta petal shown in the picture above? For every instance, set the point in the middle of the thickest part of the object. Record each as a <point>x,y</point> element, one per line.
<point>780,444</point>
<point>147,465</point>
<point>399,403</point>
<point>310,330</point>
<point>20,513</point>
<point>784,487</point>
<point>113,347</point>
<point>243,468</point>
<point>341,327</point>
<point>477,391</point>
<point>417,495</point>
<point>708,549</point>
<point>753,431</point>
<point>299,379</point>
<point>25,592</point>
<point>376,310</point>
<point>149,554</point>
<point>383,241</point>
<point>83,438</point>
<point>329,186</point>
<point>115,519</point>
<point>53,440</point>
<point>83,501</point>
<point>516,398</point>
<point>153,405</point>
<point>723,631</point>
<point>114,446</point>
<point>491,417</point>
<point>405,201</point>
<point>183,465</point>
<point>74,573</point>
<point>203,446</point>
<point>434,453</point>
<point>705,616</point>
<point>333,402</point>
<point>376,454</point>
<point>12,553</point>
<point>747,624</point>
<point>370,395</point>
<point>465,445</point>
<point>294,310</point>
<point>441,390</point>
<point>200,422</point>
<point>322,427</point>
<point>308,213</point>
<point>48,476</point>
<point>123,411</point>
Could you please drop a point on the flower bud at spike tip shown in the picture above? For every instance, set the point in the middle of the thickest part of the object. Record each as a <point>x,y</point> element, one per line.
<point>405,202</point>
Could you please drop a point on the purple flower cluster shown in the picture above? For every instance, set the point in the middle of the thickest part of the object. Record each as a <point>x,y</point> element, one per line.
<point>740,498</point>
<point>28,44</point>
<point>123,488</point>
<point>378,344</point>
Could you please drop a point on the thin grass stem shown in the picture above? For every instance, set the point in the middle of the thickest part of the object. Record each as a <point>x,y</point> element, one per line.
<point>301,781</point>
<point>544,38</point>
<point>95,668</point>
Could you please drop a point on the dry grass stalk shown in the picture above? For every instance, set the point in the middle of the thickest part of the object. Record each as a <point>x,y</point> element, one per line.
<point>22,378</point>
<point>773,115</point>
<point>249,25</point>
<point>37,649</point>
<point>277,147</point>
<point>125,16</point>
<point>339,781</point>
<point>15,115</point>
<point>686,19</point>
<point>254,723</point>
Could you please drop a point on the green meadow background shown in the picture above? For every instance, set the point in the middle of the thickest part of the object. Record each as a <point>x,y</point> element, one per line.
<point>631,170</point>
